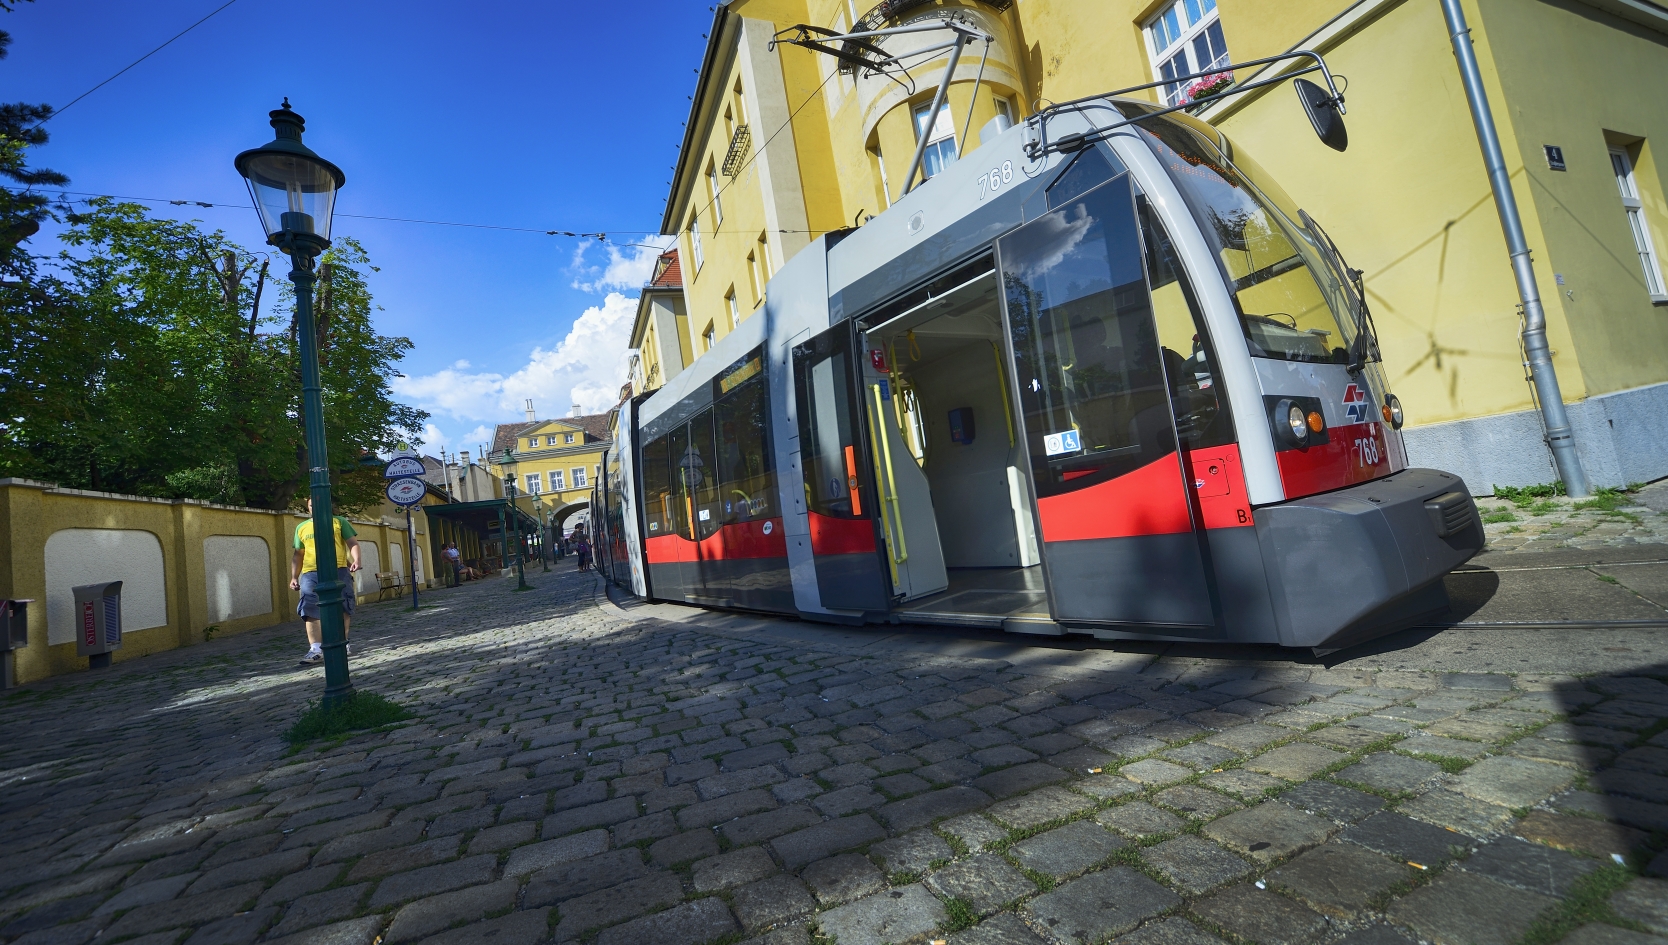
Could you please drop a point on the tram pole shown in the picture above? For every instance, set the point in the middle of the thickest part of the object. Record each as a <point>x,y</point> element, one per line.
<point>1559,436</point>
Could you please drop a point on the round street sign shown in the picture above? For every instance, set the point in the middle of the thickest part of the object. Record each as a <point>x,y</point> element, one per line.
<point>405,492</point>
<point>402,466</point>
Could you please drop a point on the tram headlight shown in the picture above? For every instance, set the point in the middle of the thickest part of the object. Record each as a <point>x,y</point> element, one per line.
<point>1296,423</point>
<point>1393,411</point>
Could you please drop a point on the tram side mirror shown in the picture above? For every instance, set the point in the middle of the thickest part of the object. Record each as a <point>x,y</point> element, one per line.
<point>1322,110</point>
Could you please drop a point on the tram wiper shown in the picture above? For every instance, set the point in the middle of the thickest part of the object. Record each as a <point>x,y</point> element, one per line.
<point>1364,346</point>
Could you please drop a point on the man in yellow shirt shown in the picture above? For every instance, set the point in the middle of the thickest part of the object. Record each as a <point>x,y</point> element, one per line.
<point>304,576</point>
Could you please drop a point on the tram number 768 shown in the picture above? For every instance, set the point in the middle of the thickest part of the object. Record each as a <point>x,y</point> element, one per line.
<point>991,182</point>
<point>1367,452</point>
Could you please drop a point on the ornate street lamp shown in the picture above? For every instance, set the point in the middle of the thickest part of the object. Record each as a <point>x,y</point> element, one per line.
<point>509,490</point>
<point>544,532</point>
<point>294,191</point>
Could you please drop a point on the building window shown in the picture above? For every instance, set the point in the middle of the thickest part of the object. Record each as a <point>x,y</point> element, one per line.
<point>556,481</point>
<point>1007,109</point>
<point>941,138</point>
<point>762,248</point>
<point>550,440</point>
<point>1635,209</point>
<point>708,337</point>
<point>535,484</point>
<point>566,438</point>
<point>1185,39</point>
<point>579,477</point>
<point>753,277</point>
<point>695,240</point>
<point>730,307</point>
<point>532,442</point>
<point>712,191</point>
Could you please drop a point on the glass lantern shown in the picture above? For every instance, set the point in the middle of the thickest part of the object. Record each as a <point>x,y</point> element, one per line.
<point>294,189</point>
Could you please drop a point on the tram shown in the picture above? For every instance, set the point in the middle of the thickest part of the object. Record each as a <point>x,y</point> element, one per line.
<point>1098,376</point>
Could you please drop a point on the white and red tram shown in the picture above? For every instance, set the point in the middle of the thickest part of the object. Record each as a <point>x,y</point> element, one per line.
<point>1098,376</point>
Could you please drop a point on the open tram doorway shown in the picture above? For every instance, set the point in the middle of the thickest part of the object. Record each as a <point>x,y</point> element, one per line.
<point>951,458</point>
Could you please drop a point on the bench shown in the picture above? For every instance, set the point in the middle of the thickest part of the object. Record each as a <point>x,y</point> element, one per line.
<point>390,583</point>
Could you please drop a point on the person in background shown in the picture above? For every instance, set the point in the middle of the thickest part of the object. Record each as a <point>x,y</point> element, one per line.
<point>582,547</point>
<point>455,560</point>
<point>304,577</point>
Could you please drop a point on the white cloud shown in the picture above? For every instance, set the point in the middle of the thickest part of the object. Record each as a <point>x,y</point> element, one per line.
<point>586,368</point>
<point>628,269</point>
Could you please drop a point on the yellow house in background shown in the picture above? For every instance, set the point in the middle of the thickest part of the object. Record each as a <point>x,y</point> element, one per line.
<point>783,147</point>
<point>660,335</point>
<point>557,460</point>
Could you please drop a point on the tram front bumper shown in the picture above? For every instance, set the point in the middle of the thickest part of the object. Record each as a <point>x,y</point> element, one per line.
<point>1351,565</point>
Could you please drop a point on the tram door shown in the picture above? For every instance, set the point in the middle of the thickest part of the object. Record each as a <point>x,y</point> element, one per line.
<point>839,493</point>
<point>1118,534</point>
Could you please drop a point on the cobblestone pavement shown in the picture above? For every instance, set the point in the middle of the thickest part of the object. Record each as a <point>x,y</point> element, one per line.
<point>582,773</point>
<point>1636,517</point>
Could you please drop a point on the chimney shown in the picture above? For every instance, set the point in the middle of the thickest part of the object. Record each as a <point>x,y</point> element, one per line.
<point>577,412</point>
<point>463,459</point>
<point>531,416</point>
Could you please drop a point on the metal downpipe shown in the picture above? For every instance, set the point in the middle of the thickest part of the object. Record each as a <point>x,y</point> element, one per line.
<point>1553,416</point>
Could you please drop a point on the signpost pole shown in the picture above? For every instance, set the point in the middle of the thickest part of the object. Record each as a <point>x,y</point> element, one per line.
<point>411,543</point>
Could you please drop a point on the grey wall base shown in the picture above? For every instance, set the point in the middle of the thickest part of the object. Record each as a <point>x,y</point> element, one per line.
<point>1622,438</point>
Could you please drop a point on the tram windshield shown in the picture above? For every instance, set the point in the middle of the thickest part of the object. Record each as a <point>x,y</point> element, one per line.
<point>1291,305</point>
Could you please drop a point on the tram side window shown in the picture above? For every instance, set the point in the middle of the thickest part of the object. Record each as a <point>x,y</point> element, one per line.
<point>701,473</point>
<point>1291,306</point>
<point>657,489</point>
<point>1086,354</point>
<point>832,472</point>
<point>680,509</point>
<point>1202,417</point>
<point>745,474</point>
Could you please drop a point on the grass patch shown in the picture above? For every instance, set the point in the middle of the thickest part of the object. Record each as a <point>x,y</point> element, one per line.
<point>1543,507</point>
<point>1450,765</point>
<point>961,914</point>
<point>1498,516</point>
<point>1526,495</point>
<point>1587,902</point>
<point>1607,579</point>
<point>1605,500</point>
<point>362,711</point>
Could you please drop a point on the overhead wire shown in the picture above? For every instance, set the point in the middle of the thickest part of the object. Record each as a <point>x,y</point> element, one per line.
<point>60,111</point>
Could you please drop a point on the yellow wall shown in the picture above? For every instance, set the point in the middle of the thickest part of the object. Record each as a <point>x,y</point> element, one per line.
<point>1408,202</point>
<point>30,512</point>
<point>547,459</point>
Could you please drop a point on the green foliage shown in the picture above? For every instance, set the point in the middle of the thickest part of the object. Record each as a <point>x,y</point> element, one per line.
<point>1498,515</point>
<point>1526,496</point>
<point>364,710</point>
<point>145,365</point>
<point>1605,500</point>
<point>1588,902</point>
<point>961,914</point>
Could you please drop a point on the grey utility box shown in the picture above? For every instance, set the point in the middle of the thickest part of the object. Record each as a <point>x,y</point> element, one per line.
<point>98,621</point>
<point>14,635</point>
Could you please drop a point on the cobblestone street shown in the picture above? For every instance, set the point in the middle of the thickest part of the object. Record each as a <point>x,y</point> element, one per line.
<point>581,772</point>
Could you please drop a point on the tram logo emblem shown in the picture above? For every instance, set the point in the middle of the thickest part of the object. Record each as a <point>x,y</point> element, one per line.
<point>1355,404</point>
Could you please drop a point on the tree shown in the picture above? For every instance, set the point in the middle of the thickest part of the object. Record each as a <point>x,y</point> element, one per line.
<point>146,366</point>
<point>21,212</point>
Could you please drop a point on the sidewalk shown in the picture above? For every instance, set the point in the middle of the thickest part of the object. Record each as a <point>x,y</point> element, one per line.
<point>582,772</point>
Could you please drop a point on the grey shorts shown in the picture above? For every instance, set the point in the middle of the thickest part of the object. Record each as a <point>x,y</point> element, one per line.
<point>309,607</point>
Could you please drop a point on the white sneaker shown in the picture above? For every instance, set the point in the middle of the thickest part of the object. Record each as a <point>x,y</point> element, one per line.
<point>313,656</point>
<point>347,648</point>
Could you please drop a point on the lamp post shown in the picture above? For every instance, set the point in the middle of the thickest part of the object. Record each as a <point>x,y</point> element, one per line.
<point>294,191</point>
<point>509,491</point>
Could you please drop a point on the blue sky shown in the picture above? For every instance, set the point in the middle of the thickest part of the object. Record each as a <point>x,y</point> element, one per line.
<point>547,115</point>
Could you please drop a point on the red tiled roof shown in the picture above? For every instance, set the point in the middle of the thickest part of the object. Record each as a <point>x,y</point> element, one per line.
<point>504,435</point>
<point>668,275</point>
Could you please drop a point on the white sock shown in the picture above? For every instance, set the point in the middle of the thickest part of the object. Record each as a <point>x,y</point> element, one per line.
<point>315,648</point>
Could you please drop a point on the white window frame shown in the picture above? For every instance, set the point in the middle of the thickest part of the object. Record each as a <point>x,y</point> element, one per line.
<point>1170,33</point>
<point>532,442</point>
<point>579,477</point>
<point>1622,165</point>
<point>535,484</point>
<point>753,276</point>
<point>550,440</point>
<point>885,185</point>
<point>713,189</point>
<point>567,438</point>
<point>709,337</point>
<point>695,240</point>
<point>735,311</point>
<point>557,482</point>
<point>943,129</point>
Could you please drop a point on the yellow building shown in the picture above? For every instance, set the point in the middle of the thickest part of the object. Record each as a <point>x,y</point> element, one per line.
<point>556,460</point>
<point>660,335</point>
<point>783,147</point>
